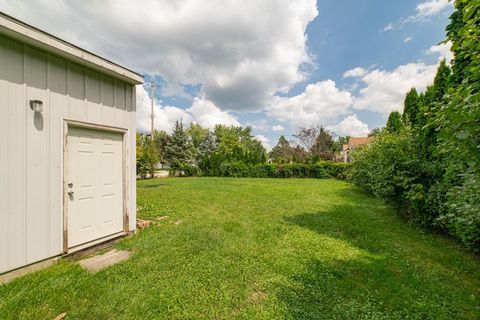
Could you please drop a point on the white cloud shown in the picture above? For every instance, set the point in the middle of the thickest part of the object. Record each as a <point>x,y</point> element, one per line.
<point>431,8</point>
<point>239,53</point>
<point>207,114</point>
<point>355,72</point>
<point>350,126</point>
<point>384,91</point>
<point>201,111</point>
<point>407,39</point>
<point>260,124</point>
<point>321,102</point>
<point>424,11</point>
<point>278,128</point>
<point>265,141</point>
<point>388,27</point>
<point>444,51</point>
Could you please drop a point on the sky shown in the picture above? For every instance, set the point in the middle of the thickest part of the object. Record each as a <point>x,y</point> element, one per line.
<point>274,65</point>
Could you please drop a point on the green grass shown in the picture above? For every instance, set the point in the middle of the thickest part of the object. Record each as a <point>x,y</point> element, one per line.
<point>261,249</point>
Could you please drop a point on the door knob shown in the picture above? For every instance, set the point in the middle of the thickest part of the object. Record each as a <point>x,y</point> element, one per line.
<point>70,193</point>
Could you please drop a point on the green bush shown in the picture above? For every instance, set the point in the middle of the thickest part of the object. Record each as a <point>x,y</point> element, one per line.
<point>320,170</point>
<point>185,170</point>
<point>391,169</point>
<point>462,211</point>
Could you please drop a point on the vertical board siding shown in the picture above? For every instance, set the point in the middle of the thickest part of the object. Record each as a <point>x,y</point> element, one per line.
<point>37,215</point>
<point>128,97</point>
<point>57,75</point>
<point>13,160</point>
<point>31,188</point>
<point>76,92</point>
<point>58,105</point>
<point>93,94</point>
<point>107,91</point>
<point>133,154</point>
<point>120,95</point>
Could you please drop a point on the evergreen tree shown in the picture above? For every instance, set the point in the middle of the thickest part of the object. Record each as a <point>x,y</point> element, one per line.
<point>179,151</point>
<point>455,34</point>
<point>282,152</point>
<point>324,145</point>
<point>431,103</point>
<point>209,145</point>
<point>411,108</point>
<point>441,82</point>
<point>161,139</point>
<point>394,122</point>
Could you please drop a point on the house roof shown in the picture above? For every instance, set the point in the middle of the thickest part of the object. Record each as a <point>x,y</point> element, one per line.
<point>354,142</point>
<point>21,31</point>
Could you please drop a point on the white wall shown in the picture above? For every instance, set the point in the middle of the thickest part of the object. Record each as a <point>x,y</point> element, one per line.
<point>31,145</point>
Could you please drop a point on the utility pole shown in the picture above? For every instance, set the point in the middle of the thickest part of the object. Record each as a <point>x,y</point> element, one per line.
<point>152,118</point>
<point>152,86</point>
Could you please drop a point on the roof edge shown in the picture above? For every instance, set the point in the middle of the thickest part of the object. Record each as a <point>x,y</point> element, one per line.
<point>24,32</point>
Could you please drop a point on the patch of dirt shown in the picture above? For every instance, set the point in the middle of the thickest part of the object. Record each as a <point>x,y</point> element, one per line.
<point>61,316</point>
<point>142,224</point>
<point>161,218</point>
<point>257,296</point>
<point>178,222</point>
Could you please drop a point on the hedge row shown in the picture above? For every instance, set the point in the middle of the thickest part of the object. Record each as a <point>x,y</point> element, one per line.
<point>320,170</point>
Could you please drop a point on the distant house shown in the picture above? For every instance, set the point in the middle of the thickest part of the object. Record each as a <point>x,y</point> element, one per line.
<point>353,143</point>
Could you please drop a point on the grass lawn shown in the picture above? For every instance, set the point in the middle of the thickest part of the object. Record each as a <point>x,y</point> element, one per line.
<point>261,249</point>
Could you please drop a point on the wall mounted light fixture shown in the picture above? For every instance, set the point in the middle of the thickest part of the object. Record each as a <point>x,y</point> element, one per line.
<point>36,105</point>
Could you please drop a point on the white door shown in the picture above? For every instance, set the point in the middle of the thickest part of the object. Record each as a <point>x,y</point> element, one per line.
<point>93,185</point>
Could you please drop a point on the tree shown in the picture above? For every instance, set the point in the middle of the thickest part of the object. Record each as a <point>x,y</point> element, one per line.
<point>375,132</point>
<point>161,139</point>
<point>282,152</point>
<point>441,81</point>
<point>237,144</point>
<point>255,152</point>
<point>411,108</point>
<point>147,155</point>
<point>306,137</point>
<point>206,152</point>
<point>430,104</point>
<point>343,140</point>
<point>455,33</point>
<point>458,128</point>
<point>197,134</point>
<point>434,169</point>
<point>324,146</point>
<point>300,154</point>
<point>179,151</point>
<point>394,122</point>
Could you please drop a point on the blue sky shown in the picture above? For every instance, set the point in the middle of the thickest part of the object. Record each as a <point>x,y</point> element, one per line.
<point>347,34</point>
<point>273,64</point>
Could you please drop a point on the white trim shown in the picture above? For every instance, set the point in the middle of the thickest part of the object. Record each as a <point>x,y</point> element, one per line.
<point>95,242</point>
<point>26,269</point>
<point>38,38</point>
<point>125,182</point>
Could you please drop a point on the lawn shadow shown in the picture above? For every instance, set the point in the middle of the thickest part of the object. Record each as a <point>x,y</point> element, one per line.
<point>154,185</point>
<point>394,271</point>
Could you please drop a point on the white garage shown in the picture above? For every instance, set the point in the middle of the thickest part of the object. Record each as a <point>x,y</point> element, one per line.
<point>67,147</point>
